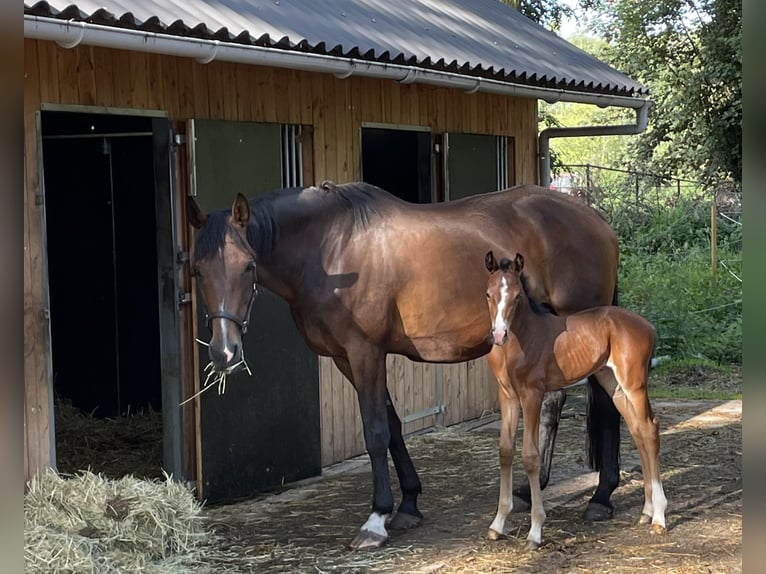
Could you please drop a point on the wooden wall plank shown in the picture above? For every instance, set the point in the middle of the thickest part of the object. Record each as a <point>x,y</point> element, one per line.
<point>139,83</point>
<point>37,400</point>
<point>121,81</point>
<point>103,67</point>
<point>200,84</point>
<point>86,75</point>
<point>216,91</point>
<point>47,58</point>
<point>325,411</point>
<point>67,74</point>
<point>155,93</point>
<point>185,89</point>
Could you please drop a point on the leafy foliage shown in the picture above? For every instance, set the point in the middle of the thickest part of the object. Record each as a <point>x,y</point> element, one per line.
<point>688,52</point>
<point>665,276</point>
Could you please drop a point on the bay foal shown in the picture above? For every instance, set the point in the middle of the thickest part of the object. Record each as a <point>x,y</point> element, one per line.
<point>535,351</point>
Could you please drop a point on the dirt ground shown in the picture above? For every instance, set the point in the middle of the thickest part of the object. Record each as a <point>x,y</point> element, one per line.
<point>306,528</point>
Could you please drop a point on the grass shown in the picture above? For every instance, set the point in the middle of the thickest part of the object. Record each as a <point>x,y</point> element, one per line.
<point>695,379</point>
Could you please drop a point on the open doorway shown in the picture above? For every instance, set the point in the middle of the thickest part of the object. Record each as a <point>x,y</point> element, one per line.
<point>101,208</point>
<point>399,161</point>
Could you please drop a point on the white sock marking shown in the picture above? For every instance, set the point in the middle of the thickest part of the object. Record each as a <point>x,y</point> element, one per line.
<point>376,523</point>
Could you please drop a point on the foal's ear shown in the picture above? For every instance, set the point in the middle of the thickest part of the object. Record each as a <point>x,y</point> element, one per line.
<point>194,215</point>
<point>518,263</point>
<point>240,211</point>
<point>490,262</point>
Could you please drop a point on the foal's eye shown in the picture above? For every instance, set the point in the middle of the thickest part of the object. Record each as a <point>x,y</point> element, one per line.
<point>487,294</point>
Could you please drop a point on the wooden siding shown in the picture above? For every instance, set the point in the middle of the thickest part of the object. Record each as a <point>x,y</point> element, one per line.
<point>335,109</point>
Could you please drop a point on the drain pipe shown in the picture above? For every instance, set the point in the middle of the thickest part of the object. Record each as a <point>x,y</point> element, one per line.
<point>70,33</point>
<point>642,118</point>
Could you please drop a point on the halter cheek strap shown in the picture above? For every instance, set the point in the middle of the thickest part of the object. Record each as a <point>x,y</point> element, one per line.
<point>241,323</point>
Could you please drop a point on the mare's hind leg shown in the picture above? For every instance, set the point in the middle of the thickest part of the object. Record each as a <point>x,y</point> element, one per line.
<point>509,422</point>
<point>550,415</point>
<point>632,401</point>
<point>603,450</point>
<point>407,515</point>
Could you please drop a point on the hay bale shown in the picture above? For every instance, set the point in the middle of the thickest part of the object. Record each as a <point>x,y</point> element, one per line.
<point>90,524</point>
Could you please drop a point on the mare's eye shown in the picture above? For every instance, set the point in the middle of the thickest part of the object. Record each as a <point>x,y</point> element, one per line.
<point>250,266</point>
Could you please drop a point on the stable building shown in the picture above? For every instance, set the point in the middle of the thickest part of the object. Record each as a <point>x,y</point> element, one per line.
<point>131,106</point>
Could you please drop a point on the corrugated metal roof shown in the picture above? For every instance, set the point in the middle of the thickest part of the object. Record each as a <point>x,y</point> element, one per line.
<point>482,38</point>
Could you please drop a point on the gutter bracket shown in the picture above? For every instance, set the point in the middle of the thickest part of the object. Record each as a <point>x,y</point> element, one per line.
<point>73,43</point>
<point>214,53</point>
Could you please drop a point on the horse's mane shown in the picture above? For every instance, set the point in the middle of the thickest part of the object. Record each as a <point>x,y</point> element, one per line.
<point>361,201</point>
<point>537,307</point>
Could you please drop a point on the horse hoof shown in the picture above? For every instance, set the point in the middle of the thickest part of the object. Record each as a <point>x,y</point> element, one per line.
<point>493,534</point>
<point>659,529</point>
<point>403,521</point>
<point>645,519</point>
<point>367,539</point>
<point>531,545</point>
<point>596,512</point>
<point>520,504</point>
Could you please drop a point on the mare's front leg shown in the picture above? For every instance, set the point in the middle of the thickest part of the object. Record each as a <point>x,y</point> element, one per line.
<point>407,515</point>
<point>550,415</point>
<point>367,372</point>
<point>509,422</point>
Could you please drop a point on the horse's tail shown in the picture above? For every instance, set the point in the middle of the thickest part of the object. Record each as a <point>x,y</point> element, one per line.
<point>603,423</point>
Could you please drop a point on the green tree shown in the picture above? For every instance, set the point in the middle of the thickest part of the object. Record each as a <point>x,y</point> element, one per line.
<point>688,52</point>
<point>548,13</point>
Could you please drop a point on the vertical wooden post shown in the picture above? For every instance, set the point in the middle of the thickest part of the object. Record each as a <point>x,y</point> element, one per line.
<point>713,238</point>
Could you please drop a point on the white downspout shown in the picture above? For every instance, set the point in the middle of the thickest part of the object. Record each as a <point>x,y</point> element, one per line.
<point>642,117</point>
<point>71,33</point>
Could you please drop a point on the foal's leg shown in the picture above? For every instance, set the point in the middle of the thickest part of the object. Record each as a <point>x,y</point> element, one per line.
<point>550,415</point>
<point>367,370</point>
<point>407,515</point>
<point>531,400</point>
<point>632,400</point>
<point>509,422</point>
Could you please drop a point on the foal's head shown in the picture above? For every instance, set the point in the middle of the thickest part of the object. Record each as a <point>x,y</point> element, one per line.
<point>224,266</point>
<point>504,289</point>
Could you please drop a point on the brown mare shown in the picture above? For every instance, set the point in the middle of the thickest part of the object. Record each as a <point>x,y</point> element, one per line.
<point>341,257</point>
<point>536,352</point>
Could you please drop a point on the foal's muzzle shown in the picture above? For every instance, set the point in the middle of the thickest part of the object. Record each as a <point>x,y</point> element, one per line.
<point>498,336</point>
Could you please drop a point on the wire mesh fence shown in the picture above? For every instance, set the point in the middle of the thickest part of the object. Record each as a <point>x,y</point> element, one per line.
<point>681,254</point>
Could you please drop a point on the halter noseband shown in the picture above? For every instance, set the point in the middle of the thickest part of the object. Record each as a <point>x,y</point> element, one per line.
<point>241,323</point>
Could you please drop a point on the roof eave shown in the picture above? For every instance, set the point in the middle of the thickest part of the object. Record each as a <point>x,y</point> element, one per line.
<point>70,33</point>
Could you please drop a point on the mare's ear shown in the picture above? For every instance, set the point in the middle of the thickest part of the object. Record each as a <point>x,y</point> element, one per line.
<point>490,262</point>
<point>240,211</point>
<point>518,263</point>
<point>194,215</point>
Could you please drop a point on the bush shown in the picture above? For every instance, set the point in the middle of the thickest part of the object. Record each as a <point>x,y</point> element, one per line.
<point>665,276</point>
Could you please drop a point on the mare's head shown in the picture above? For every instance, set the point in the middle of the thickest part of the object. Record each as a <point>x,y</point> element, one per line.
<point>224,267</point>
<point>504,289</point>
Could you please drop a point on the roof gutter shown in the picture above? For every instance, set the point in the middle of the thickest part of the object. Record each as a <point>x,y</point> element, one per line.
<point>71,33</point>
<point>642,117</point>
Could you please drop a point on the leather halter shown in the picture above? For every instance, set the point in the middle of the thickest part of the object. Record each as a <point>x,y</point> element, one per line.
<point>242,323</point>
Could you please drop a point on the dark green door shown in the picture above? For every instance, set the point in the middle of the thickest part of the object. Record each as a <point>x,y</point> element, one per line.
<point>474,164</point>
<point>264,430</point>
